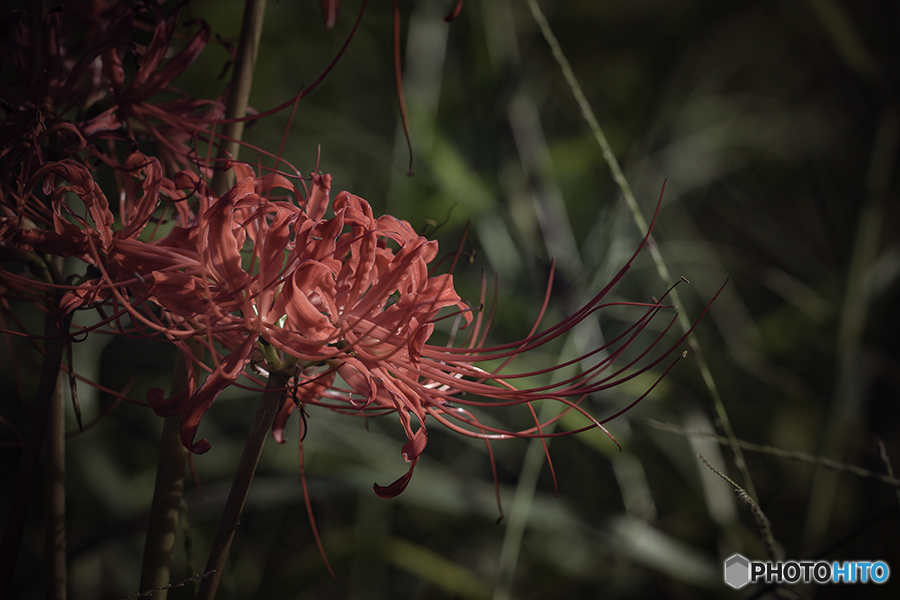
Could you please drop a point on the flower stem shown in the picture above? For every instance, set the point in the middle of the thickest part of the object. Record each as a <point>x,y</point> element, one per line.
<point>240,486</point>
<point>28,465</point>
<point>167,493</point>
<point>239,95</point>
<point>520,510</point>
<point>161,532</point>
<point>55,496</point>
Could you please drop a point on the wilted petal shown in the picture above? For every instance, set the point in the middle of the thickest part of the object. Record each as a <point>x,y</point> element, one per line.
<point>104,122</point>
<point>168,407</point>
<point>70,243</point>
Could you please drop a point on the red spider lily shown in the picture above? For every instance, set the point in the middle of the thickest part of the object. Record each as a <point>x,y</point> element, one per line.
<point>416,379</point>
<point>72,63</point>
<point>320,291</point>
<point>380,349</point>
<point>344,305</point>
<point>173,125</point>
<point>347,303</point>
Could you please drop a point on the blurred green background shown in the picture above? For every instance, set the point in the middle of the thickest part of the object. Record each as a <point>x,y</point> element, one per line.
<point>776,126</point>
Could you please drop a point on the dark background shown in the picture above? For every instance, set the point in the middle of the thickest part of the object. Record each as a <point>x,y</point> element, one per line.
<point>776,125</point>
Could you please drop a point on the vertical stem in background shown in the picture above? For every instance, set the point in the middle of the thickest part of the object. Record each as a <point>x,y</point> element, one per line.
<point>167,492</point>
<point>851,376</point>
<point>239,94</point>
<point>661,268</point>
<point>162,529</point>
<point>520,510</point>
<point>240,486</point>
<point>28,465</point>
<point>55,496</point>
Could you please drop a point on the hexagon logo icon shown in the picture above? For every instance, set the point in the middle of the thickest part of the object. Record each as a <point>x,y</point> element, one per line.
<point>737,571</point>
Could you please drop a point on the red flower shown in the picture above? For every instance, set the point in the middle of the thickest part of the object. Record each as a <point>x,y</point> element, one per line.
<point>347,304</point>
<point>319,291</point>
<point>344,306</point>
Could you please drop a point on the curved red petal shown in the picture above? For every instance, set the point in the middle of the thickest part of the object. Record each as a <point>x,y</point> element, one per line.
<point>396,488</point>
<point>222,377</point>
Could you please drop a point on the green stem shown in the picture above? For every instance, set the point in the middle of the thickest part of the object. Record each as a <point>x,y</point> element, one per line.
<point>850,381</point>
<point>240,486</point>
<point>818,461</point>
<point>239,95</point>
<point>520,511</point>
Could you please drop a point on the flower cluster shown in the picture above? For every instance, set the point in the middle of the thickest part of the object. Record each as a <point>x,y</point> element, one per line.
<point>346,305</point>
<point>109,171</point>
<point>340,302</point>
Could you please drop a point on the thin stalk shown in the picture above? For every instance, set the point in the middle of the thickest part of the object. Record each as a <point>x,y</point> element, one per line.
<point>239,94</point>
<point>661,268</point>
<point>55,496</point>
<point>165,510</point>
<point>520,511</point>
<point>28,465</point>
<point>762,521</point>
<point>240,486</point>
<point>818,461</point>
<point>851,378</point>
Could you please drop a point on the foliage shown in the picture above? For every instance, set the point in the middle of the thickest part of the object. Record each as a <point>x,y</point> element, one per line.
<point>776,127</point>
